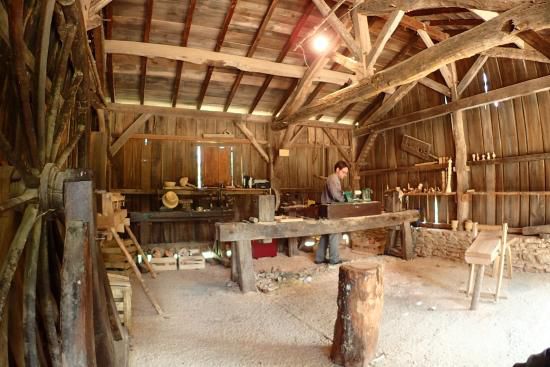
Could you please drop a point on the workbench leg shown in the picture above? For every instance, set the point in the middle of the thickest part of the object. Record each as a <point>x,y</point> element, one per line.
<point>293,246</point>
<point>247,278</point>
<point>477,287</point>
<point>496,265</point>
<point>390,240</point>
<point>509,255</point>
<point>500,274</point>
<point>406,241</point>
<point>470,280</point>
<point>234,265</point>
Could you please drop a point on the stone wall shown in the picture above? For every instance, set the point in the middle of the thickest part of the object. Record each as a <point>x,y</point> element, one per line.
<point>529,253</point>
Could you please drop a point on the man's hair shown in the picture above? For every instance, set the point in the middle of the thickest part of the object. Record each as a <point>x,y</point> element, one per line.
<point>340,165</point>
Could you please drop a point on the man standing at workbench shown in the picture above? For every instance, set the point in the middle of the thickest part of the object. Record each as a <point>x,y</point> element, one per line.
<point>332,193</point>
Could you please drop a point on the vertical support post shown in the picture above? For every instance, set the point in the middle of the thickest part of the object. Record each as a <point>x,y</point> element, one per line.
<point>293,246</point>
<point>477,287</point>
<point>234,265</point>
<point>462,181</point>
<point>406,241</point>
<point>247,278</point>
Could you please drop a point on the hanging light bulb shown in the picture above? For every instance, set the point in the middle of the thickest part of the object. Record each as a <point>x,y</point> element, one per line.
<point>320,43</point>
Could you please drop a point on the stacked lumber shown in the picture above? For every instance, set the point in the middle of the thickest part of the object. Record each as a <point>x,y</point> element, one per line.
<point>113,257</point>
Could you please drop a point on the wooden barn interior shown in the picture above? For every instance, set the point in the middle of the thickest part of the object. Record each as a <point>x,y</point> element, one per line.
<point>172,170</point>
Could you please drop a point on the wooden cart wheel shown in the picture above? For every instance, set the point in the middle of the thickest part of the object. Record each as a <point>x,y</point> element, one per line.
<point>52,269</point>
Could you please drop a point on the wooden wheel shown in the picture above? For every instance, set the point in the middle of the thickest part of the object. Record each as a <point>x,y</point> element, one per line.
<point>55,301</point>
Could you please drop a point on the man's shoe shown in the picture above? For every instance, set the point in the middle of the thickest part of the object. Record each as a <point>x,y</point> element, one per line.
<point>319,262</point>
<point>335,262</point>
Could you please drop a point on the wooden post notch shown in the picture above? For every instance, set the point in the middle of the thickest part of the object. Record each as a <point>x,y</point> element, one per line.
<point>360,303</point>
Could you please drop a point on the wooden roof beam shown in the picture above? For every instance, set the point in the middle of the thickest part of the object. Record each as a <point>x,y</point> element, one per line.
<point>362,35</point>
<point>289,43</point>
<point>204,57</point>
<point>496,95</point>
<point>444,70</point>
<point>514,53</point>
<point>259,33</point>
<point>336,143</point>
<point>242,127</point>
<point>488,15</point>
<point>338,27</point>
<point>184,40</point>
<point>146,34</point>
<point>127,134</point>
<point>375,7</point>
<point>471,73</point>
<point>219,43</point>
<point>497,31</point>
<point>383,37</point>
<point>109,57</point>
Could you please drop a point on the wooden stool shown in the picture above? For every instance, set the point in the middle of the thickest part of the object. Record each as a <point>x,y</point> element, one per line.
<point>487,248</point>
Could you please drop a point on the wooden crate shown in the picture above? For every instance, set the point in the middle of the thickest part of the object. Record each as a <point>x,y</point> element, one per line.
<point>191,262</point>
<point>164,263</point>
<point>345,210</point>
<point>114,259</point>
<point>122,294</point>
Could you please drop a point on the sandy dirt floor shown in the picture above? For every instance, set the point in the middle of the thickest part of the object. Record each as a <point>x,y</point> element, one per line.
<point>426,321</point>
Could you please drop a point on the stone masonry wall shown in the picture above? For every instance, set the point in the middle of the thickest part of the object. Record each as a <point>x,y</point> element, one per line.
<point>529,253</point>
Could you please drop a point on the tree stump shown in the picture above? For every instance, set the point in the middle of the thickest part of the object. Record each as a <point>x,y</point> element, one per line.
<point>360,303</point>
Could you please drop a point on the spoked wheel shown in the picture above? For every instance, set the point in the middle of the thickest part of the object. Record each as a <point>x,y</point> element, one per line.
<point>56,306</point>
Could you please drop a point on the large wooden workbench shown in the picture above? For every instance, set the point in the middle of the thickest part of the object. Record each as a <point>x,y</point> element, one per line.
<point>243,233</point>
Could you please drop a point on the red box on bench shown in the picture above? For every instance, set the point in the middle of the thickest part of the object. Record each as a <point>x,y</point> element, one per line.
<point>261,249</point>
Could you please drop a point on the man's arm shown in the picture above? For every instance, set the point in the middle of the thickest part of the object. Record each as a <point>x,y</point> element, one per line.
<point>335,188</point>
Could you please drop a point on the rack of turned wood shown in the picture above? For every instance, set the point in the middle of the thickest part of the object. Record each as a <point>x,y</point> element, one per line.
<point>187,191</point>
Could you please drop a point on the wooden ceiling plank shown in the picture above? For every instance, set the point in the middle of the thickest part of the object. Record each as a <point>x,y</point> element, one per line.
<point>383,37</point>
<point>184,40</point>
<point>444,70</point>
<point>257,37</point>
<point>370,109</point>
<point>471,73</point>
<point>219,43</point>
<point>375,7</point>
<point>286,48</point>
<point>146,35</point>
<point>109,57</point>
<point>536,41</point>
<point>496,95</point>
<point>338,27</point>
<point>436,11</point>
<point>532,15</point>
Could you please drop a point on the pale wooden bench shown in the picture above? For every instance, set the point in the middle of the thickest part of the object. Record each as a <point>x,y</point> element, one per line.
<point>488,247</point>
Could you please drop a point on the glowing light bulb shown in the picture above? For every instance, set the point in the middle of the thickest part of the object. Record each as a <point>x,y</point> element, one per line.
<point>320,43</point>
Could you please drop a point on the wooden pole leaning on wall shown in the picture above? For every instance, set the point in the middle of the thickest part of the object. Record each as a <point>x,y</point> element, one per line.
<point>137,272</point>
<point>140,250</point>
<point>360,303</point>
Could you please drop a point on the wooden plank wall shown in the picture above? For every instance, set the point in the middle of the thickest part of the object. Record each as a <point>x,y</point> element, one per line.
<point>516,127</point>
<point>146,166</point>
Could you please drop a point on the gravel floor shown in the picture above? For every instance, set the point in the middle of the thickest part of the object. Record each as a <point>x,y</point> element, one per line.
<point>426,321</point>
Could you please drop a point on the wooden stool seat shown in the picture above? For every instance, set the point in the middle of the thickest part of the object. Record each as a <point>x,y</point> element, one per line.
<point>488,247</point>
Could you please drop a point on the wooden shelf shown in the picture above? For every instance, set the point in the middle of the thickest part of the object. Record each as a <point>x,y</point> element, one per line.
<point>509,193</point>
<point>516,159</point>
<point>193,192</point>
<point>422,168</point>
<point>430,194</point>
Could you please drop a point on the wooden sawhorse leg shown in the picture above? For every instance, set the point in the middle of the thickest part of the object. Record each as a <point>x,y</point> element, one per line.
<point>477,285</point>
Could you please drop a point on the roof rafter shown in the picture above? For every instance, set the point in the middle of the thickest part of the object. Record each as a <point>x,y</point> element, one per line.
<point>536,41</point>
<point>109,57</point>
<point>184,39</point>
<point>259,33</point>
<point>375,7</point>
<point>219,42</point>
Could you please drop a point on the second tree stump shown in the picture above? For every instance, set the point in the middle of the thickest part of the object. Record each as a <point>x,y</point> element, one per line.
<point>360,303</point>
